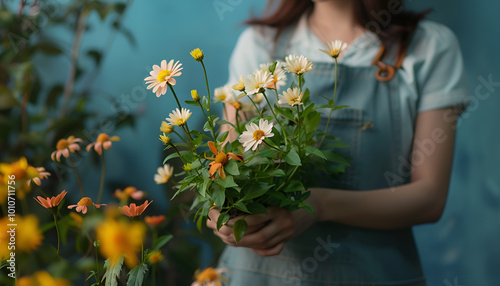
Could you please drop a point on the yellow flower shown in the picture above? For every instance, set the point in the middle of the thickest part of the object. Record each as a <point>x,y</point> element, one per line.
<point>41,278</point>
<point>297,64</point>
<point>120,239</point>
<point>164,174</point>
<point>155,257</point>
<point>179,117</point>
<point>197,54</point>
<point>335,48</point>
<point>166,128</point>
<point>210,277</point>
<point>103,141</point>
<point>21,173</point>
<point>28,234</point>
<point>240,85</point>
<point>195,95</point>
<point>165,139</point>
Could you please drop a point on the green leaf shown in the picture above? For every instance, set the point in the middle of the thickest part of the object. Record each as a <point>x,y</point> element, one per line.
<point>223,136</point>
<point>223,218</point>
<point>307,207</point>
<point>204,186</point>
<point>222,122</point>
<point>112,272</point>
<point>218,195</point>
<point>137,274</point>
<point>231,168</point>
<point>239,229</point>
<point>228,182</point>
<point>285,112</point>
<point>256,190</point>
<point>161,241</point>
<point>256,208</point>
<point>335,157</point>
<point>192,102</point>
<point>199,223</point>
<point>7,99</point>
<point>241,206</point>
<point>315,151</point>
<point>294,186</point>
<point>293,158</point>
<point>276,173</point>
<point>268,153</point>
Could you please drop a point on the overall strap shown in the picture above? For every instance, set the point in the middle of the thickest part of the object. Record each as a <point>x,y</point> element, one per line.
<point>282,44</point>
<point>386,72</point>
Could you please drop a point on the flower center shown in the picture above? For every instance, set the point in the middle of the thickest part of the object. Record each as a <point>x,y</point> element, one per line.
<point>85,201</point>
<point>180,121</point>
<point>236,105</point>
<point>103,137</point>
<point>222,97</point>
<point>258,134</point>
<point>335,52</point>
<point>221,158</point>
<point>62,144</point>
<point>162,75</point>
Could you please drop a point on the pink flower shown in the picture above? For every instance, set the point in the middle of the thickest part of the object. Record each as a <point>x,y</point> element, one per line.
<point>83,204</point>
<point>64,147</point>
<point>162,76</point>
<point>42,174</point>
<point>103,141</point>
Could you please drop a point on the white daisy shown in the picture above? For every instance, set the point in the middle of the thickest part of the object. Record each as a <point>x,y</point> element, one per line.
<point>222,93</point>
<point>297,64</point>
<point>161,76</point>
<point>279,75</point>
<point>291,96</point>
<point>179,117</point>
<point>164,174</point>
<point>254,135</point>
<point>335,48</point>
<point>257,81</point>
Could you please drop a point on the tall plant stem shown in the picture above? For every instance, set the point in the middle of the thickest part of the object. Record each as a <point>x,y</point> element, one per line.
<point>97,267</point>
<point>70,82</point>
<point>175,96</point>
<point>78,180</point>
<point>58,235</point>
<point>103,174</point>
<point>206,80</point>
<point>276,117</point>
<point>331,108</point>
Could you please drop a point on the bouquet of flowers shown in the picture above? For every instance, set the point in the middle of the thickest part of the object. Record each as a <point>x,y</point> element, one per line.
<point>277,146</point>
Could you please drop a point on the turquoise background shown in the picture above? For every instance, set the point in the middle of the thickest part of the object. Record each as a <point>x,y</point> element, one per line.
<point>461,249</point>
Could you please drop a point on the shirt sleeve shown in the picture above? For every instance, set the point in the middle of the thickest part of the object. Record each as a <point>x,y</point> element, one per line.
<point>252,49</point>
<point>441,77</point>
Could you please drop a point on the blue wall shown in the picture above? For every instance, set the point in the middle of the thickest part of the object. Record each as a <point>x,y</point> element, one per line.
<point>461,249</point>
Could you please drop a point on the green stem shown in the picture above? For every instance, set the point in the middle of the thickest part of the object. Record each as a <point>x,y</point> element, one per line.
<point>238,122</point>
<point>255,105</point>
<point>178,153</point>
<point>97,267</point>
<point>299,127</point>
<point>175,96</point>
<point>58,235</point>
<point>72,165</point>
<point>103,174</point>
<point>299,78</point>
<point>276,117</point>
<point>277,97</point>
<point>209,122</point>
<point>331,109</point>
<point>206,80</point>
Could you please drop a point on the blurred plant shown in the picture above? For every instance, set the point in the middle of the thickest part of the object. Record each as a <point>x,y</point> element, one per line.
<point>33,111</point>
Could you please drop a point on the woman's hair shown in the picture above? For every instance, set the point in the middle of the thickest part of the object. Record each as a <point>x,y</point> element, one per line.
<point>387,18</point>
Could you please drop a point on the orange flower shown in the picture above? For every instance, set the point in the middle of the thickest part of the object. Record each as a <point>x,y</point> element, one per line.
<point>210,277</point>
<point>220,160</point>
<point>83,204</point>
<point>133,210</point>
<point>154,220</point>
<point>103,141</point>
<point>42,174</point>
<point>64,147</point>
<point>52,202</point>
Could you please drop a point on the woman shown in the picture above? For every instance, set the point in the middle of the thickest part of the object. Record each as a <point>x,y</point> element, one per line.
<point>403,79</point>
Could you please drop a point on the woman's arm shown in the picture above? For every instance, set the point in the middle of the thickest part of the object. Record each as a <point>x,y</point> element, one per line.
<point>421,201</point>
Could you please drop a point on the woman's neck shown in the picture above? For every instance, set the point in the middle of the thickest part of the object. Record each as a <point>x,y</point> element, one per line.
<point>334,20</point>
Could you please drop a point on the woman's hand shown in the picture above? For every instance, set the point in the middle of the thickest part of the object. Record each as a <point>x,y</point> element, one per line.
<point>266,233</point>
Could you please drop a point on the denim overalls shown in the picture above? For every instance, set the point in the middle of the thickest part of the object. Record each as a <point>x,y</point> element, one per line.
<point>378,127</point>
